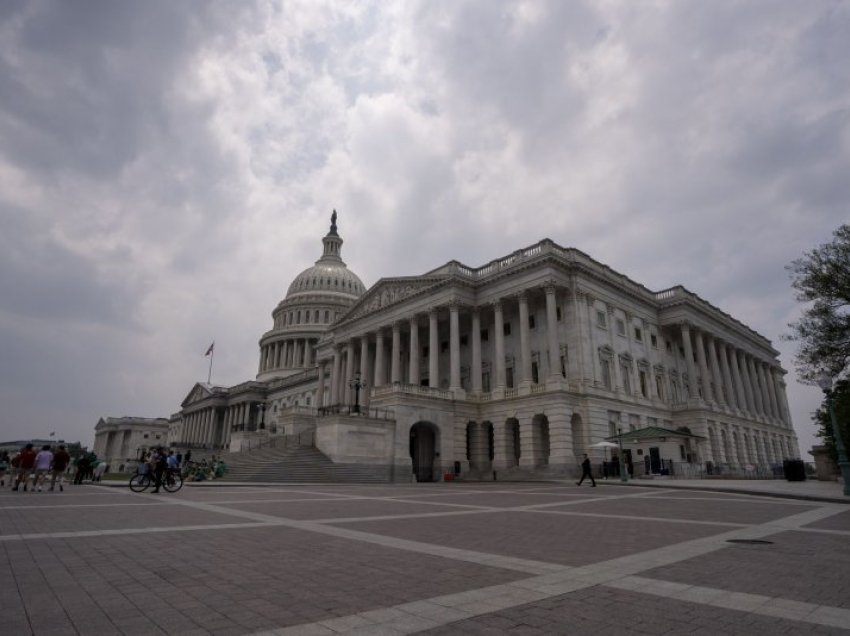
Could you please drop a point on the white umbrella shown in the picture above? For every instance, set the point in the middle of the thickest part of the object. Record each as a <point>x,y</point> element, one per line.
<point>605,445</point>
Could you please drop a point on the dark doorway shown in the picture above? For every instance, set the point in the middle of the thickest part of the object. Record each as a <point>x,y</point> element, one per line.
<point>422,451</point>
<point>654,460</point>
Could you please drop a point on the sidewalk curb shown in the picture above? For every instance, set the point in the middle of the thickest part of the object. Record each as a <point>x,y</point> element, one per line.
<point>728,490</point>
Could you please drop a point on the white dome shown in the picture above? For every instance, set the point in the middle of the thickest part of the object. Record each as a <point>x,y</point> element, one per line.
<point>327,277</point>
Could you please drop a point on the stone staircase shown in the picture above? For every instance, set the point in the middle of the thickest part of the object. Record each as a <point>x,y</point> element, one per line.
<point>298,465</point>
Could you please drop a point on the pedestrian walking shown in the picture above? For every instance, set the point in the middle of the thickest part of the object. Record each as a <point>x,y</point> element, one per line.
<point>585,472</point>
<point>61,459</point>
<point>43,461</point>
<point>4,467</point>
<point>25,461</point>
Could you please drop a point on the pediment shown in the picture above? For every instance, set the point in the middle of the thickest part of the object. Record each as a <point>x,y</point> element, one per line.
<point>198,393</point>
<point>389,292</point>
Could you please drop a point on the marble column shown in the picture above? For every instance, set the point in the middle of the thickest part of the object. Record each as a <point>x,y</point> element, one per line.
<point>308,353</point>
<point>524,341</point>
<point>754,387</point>
<point>745,381</point>
<point>364,370</point>
<point>349,373</point>
<point>476,351</point>
<point>395,362</point>
<point>335,378</point>
<point>716,372</point>
<point>413,371</point>
<point>499,344</point>
<point>705,376</point>
<point>380,361</point>
<point>689,361</point>
<point>731,400</point>
<point>320,387</point>
<point>454,347</point>
<point>771,390</point>
<point>433,350</point>
<point>552,333</point>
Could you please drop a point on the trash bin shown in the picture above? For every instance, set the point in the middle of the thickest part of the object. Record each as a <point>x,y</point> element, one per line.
<point>794,469</point>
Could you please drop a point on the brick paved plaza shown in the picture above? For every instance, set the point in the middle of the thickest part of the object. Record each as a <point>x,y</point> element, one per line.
<point>457,558</point>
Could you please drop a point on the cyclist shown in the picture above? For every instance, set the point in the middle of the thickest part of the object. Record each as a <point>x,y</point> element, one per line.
<point>160,465</point>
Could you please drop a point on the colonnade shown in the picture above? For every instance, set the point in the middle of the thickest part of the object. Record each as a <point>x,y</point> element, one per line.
<point>291,353</point>
<point>373,367</point>
<point>731,376</point>
<point>739,445</point>
<point>212,426</point>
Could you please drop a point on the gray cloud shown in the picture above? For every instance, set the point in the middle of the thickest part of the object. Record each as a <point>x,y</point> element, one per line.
<point>168,168</point>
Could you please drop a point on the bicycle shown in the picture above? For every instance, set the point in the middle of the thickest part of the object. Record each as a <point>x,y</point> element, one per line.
<point>172,481</point>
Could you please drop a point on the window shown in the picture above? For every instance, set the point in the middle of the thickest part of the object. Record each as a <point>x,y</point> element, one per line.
<point>307,316</point>
<point>509,377</point>
<point>463,341</point>
<point>425,352</point>
<point>316,316</point>
<point>638,334</point>
<point>625,370</point>
<point>534,375</point>
<point>485,381</point>
<point>621,327</point>
<point>327,316</point>
<point>307,401</point>
<point>444,346</point>
<point>558,315</point>
<point>605,365</point>
<point>644,391</point>
<point>564,365</point>
<point>601,319</point>
<point>298,317</point>
<point>653,340</point>
<point>506,329</point>
<point>531,321</point>
<point>145,436</point>
<point>659,386</point>
<point>485,335</point>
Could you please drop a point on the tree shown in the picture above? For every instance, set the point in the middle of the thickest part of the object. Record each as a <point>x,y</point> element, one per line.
<point>841,404</point>
<point>822,277</point>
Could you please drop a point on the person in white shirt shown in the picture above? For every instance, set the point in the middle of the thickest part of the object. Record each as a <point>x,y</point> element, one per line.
<point>43,461</point>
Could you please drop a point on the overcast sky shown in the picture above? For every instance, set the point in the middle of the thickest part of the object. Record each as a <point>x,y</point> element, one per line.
<point>167,168</point>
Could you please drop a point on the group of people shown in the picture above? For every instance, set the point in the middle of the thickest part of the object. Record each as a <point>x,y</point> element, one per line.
<point>30,467</point>
<point>158,460</point>
<point>213,468</point>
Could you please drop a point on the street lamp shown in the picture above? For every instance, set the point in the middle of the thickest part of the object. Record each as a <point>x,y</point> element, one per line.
<point>624,475</point>
<point>356,384</point>
<point>825,383</point>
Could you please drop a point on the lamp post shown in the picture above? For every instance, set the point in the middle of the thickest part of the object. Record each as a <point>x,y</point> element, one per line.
<point>356,384</point>
<point>624,475</point>
<point>825,383</point>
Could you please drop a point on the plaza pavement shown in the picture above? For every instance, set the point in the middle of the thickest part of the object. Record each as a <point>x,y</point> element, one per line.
<point>451,558</point>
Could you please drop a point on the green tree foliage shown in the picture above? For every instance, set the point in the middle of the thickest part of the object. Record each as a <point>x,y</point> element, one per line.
<point>841,404</point>
<point>822,277</point>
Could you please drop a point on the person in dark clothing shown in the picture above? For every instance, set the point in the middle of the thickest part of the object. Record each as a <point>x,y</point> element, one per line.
<point>160,464</point>
<point>82,468</point>
<point>585,472</point>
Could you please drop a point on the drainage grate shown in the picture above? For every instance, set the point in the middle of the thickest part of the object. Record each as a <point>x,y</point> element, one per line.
<point>750,541</point>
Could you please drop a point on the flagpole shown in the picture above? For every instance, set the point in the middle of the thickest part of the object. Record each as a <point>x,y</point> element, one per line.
<point>212,355</point>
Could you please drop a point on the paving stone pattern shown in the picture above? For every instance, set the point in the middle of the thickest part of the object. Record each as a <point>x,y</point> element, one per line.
<point>495,558</point>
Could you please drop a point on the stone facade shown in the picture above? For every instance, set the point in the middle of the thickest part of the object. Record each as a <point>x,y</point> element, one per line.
<point>516,367</point>
<point>121,441</point>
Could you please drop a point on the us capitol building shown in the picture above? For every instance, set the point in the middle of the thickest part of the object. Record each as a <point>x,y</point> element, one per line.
<point>514,369</point>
